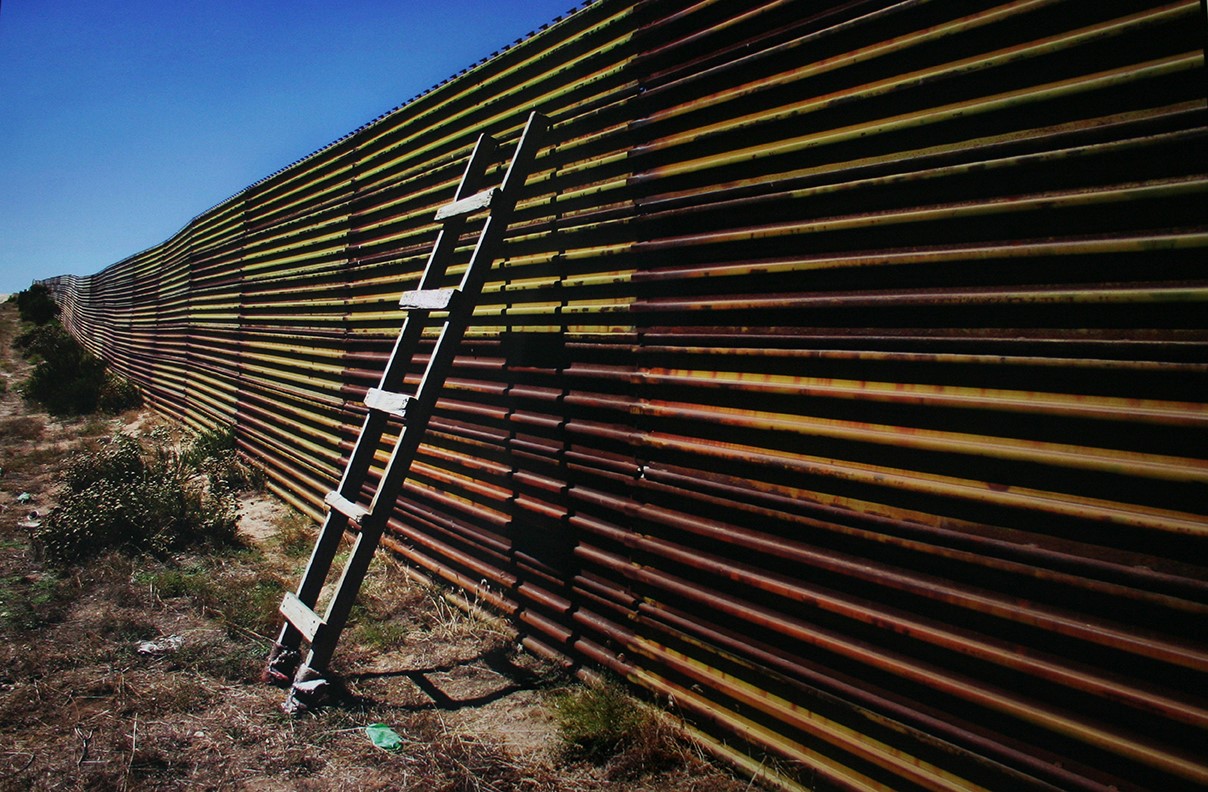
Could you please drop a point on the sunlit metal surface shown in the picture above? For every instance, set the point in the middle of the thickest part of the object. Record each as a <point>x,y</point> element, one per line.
<point>843,381</point>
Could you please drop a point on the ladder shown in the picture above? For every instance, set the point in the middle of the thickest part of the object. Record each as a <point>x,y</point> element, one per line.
<point>385,404</point>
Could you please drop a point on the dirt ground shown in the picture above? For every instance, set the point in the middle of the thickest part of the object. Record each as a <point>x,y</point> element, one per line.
<point>143,673</point>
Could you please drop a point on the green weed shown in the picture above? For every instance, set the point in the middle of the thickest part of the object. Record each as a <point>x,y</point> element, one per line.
<point>235,588</point>
<point>605,725</point>
<point>30,601</point>
<point>595,722</point>
<point>374,632</point>
<point>294,534</point>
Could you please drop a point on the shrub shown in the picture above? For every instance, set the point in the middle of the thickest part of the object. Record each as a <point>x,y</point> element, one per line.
<point>66,389</point>
<point>210,443</point>
<point>214,452</point>
<point>127,496</point>
<point>67,379</point>
<point>36,305</point>
<point>119,460</point>
<point>117,395</point>
<point>35,340</point>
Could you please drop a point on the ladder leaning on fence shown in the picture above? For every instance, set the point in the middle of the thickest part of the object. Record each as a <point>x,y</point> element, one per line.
<point>385,404</point>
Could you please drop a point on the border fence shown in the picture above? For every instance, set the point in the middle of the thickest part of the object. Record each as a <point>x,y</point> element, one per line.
<point>842,381</point>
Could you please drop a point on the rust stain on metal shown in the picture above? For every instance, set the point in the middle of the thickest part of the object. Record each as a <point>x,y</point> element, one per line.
<point>842,378</point>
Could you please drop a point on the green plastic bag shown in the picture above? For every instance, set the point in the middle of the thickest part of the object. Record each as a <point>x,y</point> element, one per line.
<point>384,737</point>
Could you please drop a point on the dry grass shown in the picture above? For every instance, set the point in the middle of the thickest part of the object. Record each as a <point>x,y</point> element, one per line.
<point>22,429</point>
<point>293,534</point>
<point>81,707</point>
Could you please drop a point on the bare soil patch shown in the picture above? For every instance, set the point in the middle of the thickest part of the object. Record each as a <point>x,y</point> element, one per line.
<point>143,672</point>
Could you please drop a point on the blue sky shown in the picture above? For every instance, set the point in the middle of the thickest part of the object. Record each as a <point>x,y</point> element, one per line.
<point>121,120</point>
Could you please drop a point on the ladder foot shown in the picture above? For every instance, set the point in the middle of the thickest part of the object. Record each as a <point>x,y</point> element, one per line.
<point>309,691</point>
<point>282,665</point>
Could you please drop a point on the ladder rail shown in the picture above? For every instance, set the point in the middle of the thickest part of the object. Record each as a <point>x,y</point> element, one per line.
<point>289,638</point>
<point>423,404</point>
<point>413,325</point>
<point>324,633</point>
<point>461,311</point>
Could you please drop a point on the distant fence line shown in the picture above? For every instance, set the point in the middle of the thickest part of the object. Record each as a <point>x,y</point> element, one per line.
<point>842,382</point>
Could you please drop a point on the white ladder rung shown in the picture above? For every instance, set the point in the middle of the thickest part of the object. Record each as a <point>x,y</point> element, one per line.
<point>387,401</point>
<point>467,205</point>
<point>427,299</point>
<point>309,623</point>
<point>346,507</point>
<point>301,620</point>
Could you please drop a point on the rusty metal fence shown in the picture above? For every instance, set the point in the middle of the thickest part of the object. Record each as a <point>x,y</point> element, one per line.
<point>842,383</point>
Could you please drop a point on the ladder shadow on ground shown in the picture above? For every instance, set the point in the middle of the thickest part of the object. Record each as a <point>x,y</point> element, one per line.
<point>502,675</point>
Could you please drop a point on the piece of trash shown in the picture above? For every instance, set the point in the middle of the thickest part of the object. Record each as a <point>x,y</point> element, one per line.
<point>24,497</point>
<point>29,524</point>
<point>384,737</point>
<point>162,646</point>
